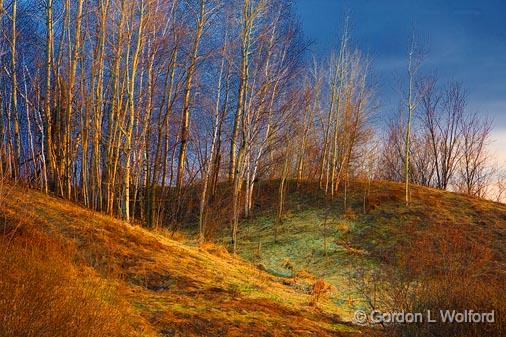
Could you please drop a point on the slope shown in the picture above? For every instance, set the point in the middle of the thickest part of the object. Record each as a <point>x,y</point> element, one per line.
<point>163,287</point>
<point>376,241</point>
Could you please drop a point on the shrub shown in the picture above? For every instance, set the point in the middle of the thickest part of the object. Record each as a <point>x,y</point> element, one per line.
<point>320,290</point>
<point>442,267</point>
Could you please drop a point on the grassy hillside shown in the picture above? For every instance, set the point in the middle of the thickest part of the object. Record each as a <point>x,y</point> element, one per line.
<point>67,271</point>
<point>451,246</point>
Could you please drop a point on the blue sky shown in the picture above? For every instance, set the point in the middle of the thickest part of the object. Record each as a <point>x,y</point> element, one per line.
<point>466,42</point>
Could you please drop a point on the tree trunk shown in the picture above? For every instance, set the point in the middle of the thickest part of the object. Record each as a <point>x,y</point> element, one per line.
<point>210,161</point>
<point>50,155</point>
<point>185,115</point>
<point>14,93</point>
<point>131,118</point>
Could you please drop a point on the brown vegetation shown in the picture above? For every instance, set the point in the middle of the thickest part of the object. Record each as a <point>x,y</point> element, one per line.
<point>43,292</point>
<point>120,278</point>
<point>445,252</point>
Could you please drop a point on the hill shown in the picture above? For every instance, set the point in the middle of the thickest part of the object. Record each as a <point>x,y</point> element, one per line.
<point>446,250</point>
<point>67,271</point>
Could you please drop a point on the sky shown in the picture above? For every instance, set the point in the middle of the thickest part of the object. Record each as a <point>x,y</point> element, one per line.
<point>465,41</point>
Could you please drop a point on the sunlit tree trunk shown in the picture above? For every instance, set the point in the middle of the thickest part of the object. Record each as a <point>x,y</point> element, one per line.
<point>325,159</point>
<point>185,114</point>
<point>75,52</point>
<point>50,155</point>
<point>210,160</point>
<point>247,26</point>
<point>311,101</point>
<point>131,112</point>
<point>111,157</point>
<point>29,130</point>
<point>411,108</point>
<point>98,68</point>
<point>14,93</point>
<point>282,188</point>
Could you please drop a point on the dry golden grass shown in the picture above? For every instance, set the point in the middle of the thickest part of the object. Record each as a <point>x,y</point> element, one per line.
<point>145,281</point>
<point>43,293</point>
<point>104,277</point>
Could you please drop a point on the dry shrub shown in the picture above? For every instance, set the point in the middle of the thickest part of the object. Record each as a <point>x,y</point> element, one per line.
<point>42,293</point>
<point>320,289</point>
<point>218,213</point>
<point>459,272</point>
<point>445,267</point>
<point>443,250</point>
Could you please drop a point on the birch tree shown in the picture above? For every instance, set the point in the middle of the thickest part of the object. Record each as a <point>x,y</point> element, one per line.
<point>131,109</point>
<point>185,112</point>
<point>414,62</point>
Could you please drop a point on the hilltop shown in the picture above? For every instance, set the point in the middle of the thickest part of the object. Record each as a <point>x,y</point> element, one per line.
<point>374,249</point>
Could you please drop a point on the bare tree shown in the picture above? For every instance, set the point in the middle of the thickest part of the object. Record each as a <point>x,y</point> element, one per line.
<point>131,109</point>
<point>14,91</point>
<point>218,120</point>
<point>414,62</point>
<point>447,140</point>
<point>250,13</point>
<point>473,166</point>
<point>185,114</point>
<point>500,186</point>
<point>50,156</point>
<point>311,102</point>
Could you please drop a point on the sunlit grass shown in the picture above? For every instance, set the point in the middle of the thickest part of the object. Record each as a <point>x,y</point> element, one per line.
<point>169,285</point>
